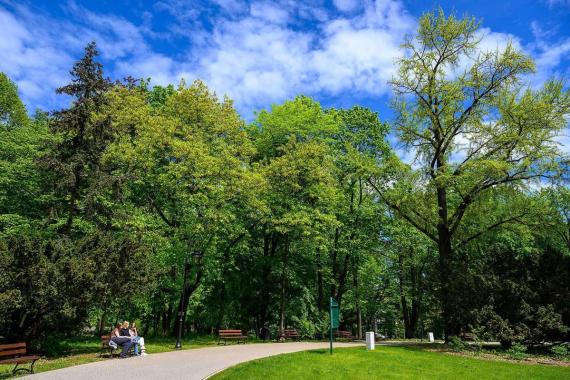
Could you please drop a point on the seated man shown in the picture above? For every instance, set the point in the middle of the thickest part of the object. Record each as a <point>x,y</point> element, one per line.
<point>124,341</point>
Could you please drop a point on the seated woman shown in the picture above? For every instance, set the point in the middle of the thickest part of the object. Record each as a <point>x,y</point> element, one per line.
<point>139,339</point>
<point>124,341</point>
<point>133,334</point>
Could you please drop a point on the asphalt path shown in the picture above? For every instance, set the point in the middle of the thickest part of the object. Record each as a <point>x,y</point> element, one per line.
<point>199,363</point>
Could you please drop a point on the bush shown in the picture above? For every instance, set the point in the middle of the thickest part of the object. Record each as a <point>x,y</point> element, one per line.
<point>54,346</point>
<point>456,344</point>
<point>517,351</point>
<point>560,351</point>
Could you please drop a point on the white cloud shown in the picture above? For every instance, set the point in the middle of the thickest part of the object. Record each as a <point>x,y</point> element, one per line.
<point>257,54</point>
<point>346,5</point>
<point>269,12</point>
<point>30,58</point>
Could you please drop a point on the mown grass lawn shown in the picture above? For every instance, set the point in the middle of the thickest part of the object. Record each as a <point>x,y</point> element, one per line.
<point>86,350</point>
<point>387,363</point>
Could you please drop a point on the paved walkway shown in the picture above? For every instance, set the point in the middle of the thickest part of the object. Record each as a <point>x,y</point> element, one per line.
<point>186,364</point>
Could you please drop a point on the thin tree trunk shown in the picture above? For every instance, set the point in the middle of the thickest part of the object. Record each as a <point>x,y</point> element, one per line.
<point>102,321</point>
<point>283,288</point>
<point>320,290</point>
<point>358,310</point>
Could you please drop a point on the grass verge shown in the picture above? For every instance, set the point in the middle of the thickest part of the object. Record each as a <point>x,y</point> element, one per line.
<point>386,363</point>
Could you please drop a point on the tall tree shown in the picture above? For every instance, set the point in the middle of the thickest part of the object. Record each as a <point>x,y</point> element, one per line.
<point>185,162</point>
<point>75,158</point>
<point>474,126</point>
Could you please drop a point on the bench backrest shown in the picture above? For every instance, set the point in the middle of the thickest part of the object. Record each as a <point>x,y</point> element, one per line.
<point>230,332</point>
<point>105,338</point>
<point>291,332</point>
<point>13,349</point>
<point>342,333</point>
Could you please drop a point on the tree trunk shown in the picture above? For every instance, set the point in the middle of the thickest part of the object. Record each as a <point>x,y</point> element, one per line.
<point>445,266</point>
<point>190,289</point>
<point>320,290</point>
<point>357,296</point>
<point>283,288</point>
<point>102,321</point>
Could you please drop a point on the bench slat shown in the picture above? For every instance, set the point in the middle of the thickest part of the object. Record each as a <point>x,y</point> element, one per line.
<point>21,359</point>
<point>19,351</point>
<point>12,346</point>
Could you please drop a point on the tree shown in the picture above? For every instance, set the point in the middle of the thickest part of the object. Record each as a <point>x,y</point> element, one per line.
<point>184,159</point>
<point>12,111</point>
<point>475,127</point>
<point>75,157</point>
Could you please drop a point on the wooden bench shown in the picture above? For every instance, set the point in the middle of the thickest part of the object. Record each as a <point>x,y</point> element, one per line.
<point>290,334</point>
<point>343,335</point>
<point>17,353</point>
<point>467,336</point>
<point>106,347</point>
<point>225,335</point>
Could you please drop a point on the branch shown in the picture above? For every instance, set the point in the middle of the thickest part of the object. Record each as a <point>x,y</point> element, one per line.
<point>394,206</point>
<point>489,228</point>
<point>170,223</point>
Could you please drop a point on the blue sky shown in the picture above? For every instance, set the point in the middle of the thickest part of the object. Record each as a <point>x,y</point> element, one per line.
<point>261,52</point>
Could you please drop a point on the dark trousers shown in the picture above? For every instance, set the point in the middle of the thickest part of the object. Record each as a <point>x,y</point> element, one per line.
<point>125,342</point>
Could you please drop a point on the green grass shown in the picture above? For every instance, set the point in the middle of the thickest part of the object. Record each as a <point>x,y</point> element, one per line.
<point>386,363</point>
<point>86,350</point>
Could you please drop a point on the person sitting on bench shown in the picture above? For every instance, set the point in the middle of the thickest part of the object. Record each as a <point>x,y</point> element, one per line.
<point>124,341</point>
<point>136,339</point>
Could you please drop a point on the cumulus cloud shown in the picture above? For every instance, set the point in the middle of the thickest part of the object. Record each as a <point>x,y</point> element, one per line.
<point>549,52</point>
<point>346,5</point>
<point>257,53</point>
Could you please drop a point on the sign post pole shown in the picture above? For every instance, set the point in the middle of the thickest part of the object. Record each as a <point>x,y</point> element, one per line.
<point>334,320</point>
<point>331,328</point>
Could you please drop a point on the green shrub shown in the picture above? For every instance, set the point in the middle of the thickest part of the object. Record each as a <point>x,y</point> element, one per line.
<point>517,351</point>
<point>54,346</point>
<point>560,351</point>
<point>456,344</point>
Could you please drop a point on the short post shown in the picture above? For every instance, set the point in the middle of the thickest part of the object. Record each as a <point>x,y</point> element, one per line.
<point>430,337</point>
<point>370,340</point>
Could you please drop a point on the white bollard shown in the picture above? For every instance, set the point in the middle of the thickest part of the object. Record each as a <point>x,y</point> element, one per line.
<point>430,336</point>
<point>370,340</point>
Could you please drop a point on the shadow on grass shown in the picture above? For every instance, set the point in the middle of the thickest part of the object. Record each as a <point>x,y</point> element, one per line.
<point>318,352</point>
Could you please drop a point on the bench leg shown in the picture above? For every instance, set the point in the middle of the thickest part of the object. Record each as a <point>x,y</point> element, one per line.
<point>15,370</point>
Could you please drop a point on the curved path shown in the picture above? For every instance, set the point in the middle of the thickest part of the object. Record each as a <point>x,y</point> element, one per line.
<point>192,364</point>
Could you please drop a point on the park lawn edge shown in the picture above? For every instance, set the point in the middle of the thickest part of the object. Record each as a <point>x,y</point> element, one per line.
<point>496,359</point>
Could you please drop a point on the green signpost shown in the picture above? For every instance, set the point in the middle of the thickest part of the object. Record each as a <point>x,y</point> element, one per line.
<point>334,318</point>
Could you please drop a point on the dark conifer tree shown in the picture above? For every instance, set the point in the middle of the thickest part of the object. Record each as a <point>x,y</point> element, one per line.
<point>76,157</point>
